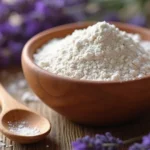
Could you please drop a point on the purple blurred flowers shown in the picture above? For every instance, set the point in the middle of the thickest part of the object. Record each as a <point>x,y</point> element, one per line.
<point>109,142</point>
<point>112,16</point>
<point>21,19</point>
<point>99,142</point>
<point>145,145</point>
<point>139,20</point>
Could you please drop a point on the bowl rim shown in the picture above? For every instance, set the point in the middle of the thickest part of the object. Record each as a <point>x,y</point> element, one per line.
<point>28,58</point>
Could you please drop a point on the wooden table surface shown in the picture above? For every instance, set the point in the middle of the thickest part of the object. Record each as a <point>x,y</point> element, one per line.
<point>64,131</point>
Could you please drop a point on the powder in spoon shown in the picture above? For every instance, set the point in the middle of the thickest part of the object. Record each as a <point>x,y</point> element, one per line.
<point>22,128</point>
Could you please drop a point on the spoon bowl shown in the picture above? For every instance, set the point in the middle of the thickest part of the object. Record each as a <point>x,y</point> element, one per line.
<point>33,119</point>
<point>13,112</point>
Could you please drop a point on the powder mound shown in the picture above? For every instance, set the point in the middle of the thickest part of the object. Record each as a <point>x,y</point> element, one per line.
<point>100,52</point>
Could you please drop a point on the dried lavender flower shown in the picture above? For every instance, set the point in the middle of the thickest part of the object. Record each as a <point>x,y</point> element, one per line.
<point>139,20</point>
<point>137,146</point>
<point>146,140</point>
<point>99,142</point>
<point>144,145</point>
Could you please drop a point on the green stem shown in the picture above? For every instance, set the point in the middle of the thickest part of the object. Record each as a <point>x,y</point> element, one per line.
<point>129,141</point>
<point>132,140</point>
<point>110,145</point>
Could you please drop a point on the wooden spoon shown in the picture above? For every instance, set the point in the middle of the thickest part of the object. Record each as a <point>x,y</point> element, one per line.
<point>13,111</point>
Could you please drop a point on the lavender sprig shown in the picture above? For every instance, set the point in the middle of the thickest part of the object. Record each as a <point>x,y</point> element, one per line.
<point>144,145</point>
<point>99,142</point>
<point>109,142</point>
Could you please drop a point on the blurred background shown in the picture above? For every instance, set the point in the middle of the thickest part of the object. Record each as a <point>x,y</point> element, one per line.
<point>22,19</point>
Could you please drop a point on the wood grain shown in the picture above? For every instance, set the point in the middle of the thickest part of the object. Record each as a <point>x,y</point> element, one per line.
<point>64,131</point>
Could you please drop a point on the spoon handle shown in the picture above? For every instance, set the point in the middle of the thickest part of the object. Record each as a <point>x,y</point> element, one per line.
<point>7,102</point>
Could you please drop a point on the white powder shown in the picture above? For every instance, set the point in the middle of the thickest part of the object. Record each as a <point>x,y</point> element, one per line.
<point>29,96</point>
<point>146,45</point>
<point>18,87</point>
<point>23,128</point>
<point>3,144</point>
<point>100,52</point>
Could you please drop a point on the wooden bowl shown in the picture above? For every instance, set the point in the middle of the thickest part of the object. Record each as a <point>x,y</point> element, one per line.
<point>86,102</point>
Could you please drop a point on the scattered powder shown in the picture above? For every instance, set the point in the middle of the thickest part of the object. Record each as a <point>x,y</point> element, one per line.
<point>18,87</point>
<point>100,52</point>
<point>29,96</point>
<point>23,128</point>
<point>3,144</point>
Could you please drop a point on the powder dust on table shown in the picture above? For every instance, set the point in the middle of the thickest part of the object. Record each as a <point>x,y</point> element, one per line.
<point>100,52</point>
<point>16,85</point>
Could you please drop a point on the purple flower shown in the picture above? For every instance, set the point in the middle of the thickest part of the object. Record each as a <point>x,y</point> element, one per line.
<point>99,142</point>
<point>146,140</point>
<point>22,6</point>
<point>75,2</point>
<point>31,28</point>
<point>139,20</point>
<point>8,29</point>
<point>137,146</point>
<point>42,8</point>
<point>31,17</point>
<point>15,49</point>
<point>112,16</point>
<point>145,145</point>
<point>4,12</point>
<point>57,3</point>
<point>79,16</point>
<point>15,46</point>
